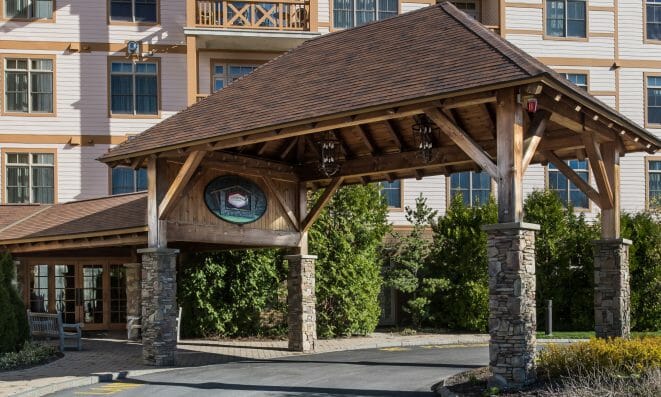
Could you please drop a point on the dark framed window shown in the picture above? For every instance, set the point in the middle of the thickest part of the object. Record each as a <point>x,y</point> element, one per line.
<point>128,180</point>
<point>470,7</point>
<point>566,18</point>
<point>653,99</point>
<point>133,88</point>
<point>350,13</point>
<point>392,191</point>
<point>474,187</point>
<point>579,79</point>
<point>654,183</point>
<point>653,22</point>
<point>565,189</point>
<point>28,85</point>
<point>28,9</point>
<point>30,178</point>
<point>134,10</point>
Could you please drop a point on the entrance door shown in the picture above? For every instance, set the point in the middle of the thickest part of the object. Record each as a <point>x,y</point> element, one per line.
<point>91,292</point>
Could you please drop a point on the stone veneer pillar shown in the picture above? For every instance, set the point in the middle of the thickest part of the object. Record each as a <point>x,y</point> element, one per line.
<point>301,311</point>
<point>133,295</point>
<point>512,313</point>
<point>612,296</point>
<point>159,305</point>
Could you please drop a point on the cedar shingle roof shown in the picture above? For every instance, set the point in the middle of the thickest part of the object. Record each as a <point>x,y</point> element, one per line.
<point>77,217</point>
<point>427,53</point>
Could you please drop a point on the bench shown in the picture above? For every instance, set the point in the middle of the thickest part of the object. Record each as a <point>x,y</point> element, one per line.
<point>50,326</point>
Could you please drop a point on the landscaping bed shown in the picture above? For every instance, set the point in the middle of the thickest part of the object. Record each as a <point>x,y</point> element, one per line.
<point>32,354</point>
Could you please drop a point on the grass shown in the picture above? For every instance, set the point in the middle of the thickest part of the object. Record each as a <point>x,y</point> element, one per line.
<point>586,334</point>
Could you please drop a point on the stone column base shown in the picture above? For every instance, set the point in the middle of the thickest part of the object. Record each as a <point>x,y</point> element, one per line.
<point>301,311</point>
<point>512,313</point>
<point>612,295</point>
<point>159,305</point>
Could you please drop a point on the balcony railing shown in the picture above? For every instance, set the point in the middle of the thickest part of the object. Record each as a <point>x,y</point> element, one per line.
<point>270,15</point>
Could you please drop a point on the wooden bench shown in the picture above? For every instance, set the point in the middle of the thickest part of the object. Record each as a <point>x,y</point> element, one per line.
<point>50,326</point>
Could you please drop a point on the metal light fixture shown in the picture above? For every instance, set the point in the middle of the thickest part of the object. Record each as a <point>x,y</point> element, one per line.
<point>423,129</point>
<point>329,154</point>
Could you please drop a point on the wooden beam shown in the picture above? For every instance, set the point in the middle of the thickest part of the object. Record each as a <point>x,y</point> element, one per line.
<point>312,146</point>
<point>610,217</point>
<point>463,140</point>
<point>232,235</point>
<point>137,162</point>
<point>302,248</point>
<point>180,183</point>
<point>509,135</point>
<point>599,170</point>
<point>281,201</point>
<point>288,148</point>
<point>321,203</point>
<point>469,100</point>
<point>364,136</point>
<point>157,185</point>
<point>262,148</point>
<point>581,184</point>
<point>395,134</point>
<point>535,134</point>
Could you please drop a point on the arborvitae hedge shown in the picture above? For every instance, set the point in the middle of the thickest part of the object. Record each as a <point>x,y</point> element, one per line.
<point>13,318</point>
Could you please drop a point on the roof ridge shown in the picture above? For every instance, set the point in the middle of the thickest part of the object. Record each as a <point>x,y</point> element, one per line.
<point>491,39</point>
<point>18,222</point>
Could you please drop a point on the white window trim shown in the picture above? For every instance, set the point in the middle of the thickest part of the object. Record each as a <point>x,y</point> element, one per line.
<point>30,165</point>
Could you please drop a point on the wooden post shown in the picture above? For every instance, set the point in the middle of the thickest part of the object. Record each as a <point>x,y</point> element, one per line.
<point>610,217</point>
<point>509,135</point>
<point>157,187</point>
<point>302,213</point>
<point>191,69</point>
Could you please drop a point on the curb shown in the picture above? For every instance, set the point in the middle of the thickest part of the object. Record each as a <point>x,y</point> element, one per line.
<point>440,389</point>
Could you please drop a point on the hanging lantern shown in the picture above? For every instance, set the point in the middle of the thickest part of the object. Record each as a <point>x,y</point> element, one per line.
<point>423,131</point>
<point>329,154</point>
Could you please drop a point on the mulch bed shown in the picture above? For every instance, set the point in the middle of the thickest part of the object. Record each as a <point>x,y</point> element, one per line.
<point>473,383</point>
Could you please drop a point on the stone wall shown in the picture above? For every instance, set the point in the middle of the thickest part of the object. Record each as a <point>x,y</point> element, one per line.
<point>512,313</point>
<point>612,295</point>
<point>159,305</point>
<point>301,312</point>
<point>133,298</point>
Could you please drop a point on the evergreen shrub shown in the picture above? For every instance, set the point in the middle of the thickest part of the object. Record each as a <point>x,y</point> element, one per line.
<point>14,331</point>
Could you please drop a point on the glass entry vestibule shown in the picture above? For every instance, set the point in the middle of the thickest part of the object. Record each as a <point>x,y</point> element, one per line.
<point>91,292</point>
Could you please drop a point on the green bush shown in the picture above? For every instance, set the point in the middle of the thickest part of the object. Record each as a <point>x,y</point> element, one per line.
<point>30,354</point>
<point>347,238</point>
<point>645,269</point>
<point>13,318</point>
<point>459,255</point>
<point>564,262</point>
<point>228,293</point>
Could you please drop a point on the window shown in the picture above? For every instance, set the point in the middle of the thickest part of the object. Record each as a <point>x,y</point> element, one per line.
<point>565,189</point>
<point>392,191</point>
<point>134,10</point>
<point>39,288</point>
<point>30,178</point>
<point>29,9</point>
<point>653,14</point>
<point>350,13</point>
<point>579,79</point>
<point>468,6</point>
<point>225,74</point>
<point>653,99</point>
<point>134,88</point>
<point>566,18</point>
<point>474,187</point>
<point>654,183</point>
<point>28,85</point>
<point>128,180</point>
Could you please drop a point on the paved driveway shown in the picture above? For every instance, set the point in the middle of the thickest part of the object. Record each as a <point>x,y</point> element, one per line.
<point>391,371</point>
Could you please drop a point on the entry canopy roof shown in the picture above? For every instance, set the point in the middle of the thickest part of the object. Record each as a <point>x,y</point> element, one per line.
<point>365,84</point>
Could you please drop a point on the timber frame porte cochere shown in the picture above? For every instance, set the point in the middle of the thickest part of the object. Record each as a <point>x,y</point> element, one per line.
<point>475,102</point>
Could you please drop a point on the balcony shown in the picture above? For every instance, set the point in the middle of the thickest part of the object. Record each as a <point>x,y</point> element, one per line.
<point>281,15</point>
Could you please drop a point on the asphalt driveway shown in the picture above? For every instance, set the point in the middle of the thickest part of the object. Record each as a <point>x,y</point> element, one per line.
<point>396,371</point>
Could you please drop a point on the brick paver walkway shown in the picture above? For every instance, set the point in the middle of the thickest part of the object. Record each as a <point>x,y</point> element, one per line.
<point>113,357</point>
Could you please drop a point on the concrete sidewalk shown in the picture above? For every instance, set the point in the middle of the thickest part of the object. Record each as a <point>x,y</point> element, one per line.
<point>105,359</point>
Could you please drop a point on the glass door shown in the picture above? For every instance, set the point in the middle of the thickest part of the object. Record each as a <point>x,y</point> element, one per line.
<point>91,299</point>
<point>39,288</point>
<point>66,293</point>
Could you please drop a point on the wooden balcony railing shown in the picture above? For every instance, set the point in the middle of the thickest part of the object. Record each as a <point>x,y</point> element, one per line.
<point>269,15</point>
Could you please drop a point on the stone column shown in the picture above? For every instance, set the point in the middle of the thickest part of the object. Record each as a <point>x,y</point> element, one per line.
<point>512,314</point>
<point>159,305</point>
<point>612,296</point>
<point>133,298</point>
<point>301,311</point>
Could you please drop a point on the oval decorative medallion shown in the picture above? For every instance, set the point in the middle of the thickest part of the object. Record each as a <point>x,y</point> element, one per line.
<point>235,199</point>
